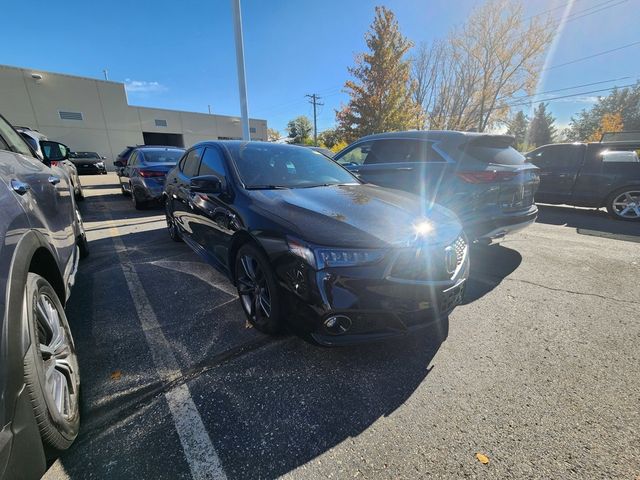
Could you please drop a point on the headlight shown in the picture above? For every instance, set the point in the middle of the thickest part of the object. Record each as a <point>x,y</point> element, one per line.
<point>342,257</point>
<point>334,257</point>
<point>100,164</point>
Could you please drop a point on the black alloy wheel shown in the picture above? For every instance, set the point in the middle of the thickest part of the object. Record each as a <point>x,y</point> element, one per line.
<point>257,289</point>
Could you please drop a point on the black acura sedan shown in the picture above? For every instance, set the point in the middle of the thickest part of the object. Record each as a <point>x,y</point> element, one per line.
<point>307,243</point>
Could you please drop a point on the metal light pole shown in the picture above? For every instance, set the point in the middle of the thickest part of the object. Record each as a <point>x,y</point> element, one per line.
<point>242,83</point>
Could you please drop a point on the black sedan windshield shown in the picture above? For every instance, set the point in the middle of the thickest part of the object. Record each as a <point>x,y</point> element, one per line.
<point>286,166</point>
<point>84,155</point>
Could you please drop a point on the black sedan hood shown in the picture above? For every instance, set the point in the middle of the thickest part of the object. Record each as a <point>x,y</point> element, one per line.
<point>363,216</point>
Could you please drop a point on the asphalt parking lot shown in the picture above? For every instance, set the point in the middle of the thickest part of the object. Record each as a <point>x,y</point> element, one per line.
<point>540,371</point>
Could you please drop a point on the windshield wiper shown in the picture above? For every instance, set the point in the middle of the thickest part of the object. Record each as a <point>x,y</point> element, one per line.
<point>267,187</point>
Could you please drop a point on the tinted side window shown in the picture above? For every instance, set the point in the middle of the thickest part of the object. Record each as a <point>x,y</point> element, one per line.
<point>133,159</point>
<point>356,156</point>
<point>401,151</point>
<point>191,163</point>
<point>212,163</point>
<point>554,156</point>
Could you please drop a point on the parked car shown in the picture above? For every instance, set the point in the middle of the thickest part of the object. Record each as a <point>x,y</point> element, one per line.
<point>306,242</point>
<point>123,156</point>
<point>41,145</point>
<point>480,177</point>
<point>600,174</point>
<point>88,162</point>
<point>143,176</point>
<point>42,239</point>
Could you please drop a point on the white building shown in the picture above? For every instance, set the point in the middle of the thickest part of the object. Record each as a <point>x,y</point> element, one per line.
<point>93,115</point>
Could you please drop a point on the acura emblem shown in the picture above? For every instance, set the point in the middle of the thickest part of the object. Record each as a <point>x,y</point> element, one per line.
<point>450,259</point>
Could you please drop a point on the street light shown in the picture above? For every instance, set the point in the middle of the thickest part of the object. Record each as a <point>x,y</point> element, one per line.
<point>242,83</point>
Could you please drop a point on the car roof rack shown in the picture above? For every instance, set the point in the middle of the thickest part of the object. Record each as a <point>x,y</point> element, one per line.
<point>629,136</point>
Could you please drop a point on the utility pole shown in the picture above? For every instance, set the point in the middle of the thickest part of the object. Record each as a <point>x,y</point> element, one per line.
<point>209,107</point>
<point>242,83</point>
<point>106,74</point>
<point>314,101</point>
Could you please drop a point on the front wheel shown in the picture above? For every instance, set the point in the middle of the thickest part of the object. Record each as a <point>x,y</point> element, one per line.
<point>172,227</point>
<point>51,370</point>
<point>258,289</point>
<point>624,204</point>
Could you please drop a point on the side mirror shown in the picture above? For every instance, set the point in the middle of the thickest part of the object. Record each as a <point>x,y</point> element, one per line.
<point>117,163</point>
<point>103,157</point>
<point>54,151</point>
<point>206,184</point>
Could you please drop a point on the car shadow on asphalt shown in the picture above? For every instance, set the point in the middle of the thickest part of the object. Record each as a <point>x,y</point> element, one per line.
<point>489,266</point>
<point>589,222</point>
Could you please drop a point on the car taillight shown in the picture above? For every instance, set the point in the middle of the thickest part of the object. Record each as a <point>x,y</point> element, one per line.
<point>151,173</point>
<point>486,176</point>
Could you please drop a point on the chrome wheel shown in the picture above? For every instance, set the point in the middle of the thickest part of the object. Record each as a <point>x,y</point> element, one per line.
<point>627,205</point>
<point>58,356</point>
<point>253,289</point>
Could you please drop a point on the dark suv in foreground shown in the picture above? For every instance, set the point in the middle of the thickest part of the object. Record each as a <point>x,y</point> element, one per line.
<point>307,242</point>
<point>42,239</point>
<point>485,181</point>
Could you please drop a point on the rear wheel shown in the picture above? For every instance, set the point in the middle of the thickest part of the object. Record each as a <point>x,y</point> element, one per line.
<point>51,370</point>
<point>258,289</point>
<point>137,204</point>
<point>624,204</point>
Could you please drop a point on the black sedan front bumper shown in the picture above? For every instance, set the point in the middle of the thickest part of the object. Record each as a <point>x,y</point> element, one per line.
<point>371,302</point>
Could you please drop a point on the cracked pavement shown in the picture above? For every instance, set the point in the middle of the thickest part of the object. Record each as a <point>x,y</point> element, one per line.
<point>540,371</point>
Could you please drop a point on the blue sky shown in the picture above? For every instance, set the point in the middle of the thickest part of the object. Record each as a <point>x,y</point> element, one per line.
<point>181,55</point>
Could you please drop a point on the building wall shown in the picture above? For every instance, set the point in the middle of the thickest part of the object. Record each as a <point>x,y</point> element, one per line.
<point>108,122</point>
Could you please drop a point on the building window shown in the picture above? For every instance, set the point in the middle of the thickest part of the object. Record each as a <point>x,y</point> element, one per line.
<point>161,123</point>
<point>252,130</point>
<point>71,115</point>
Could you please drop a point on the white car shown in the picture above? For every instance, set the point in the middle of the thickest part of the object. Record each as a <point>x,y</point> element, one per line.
<point>39,143</point>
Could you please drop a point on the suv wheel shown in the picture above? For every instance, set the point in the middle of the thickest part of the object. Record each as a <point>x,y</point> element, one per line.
<point>624,204</point>
<point>51,370</point>
<point>137,204</point>
<point>258,289</point>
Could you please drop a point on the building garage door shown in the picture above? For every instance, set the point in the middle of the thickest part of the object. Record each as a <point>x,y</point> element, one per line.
<point>155,138</point>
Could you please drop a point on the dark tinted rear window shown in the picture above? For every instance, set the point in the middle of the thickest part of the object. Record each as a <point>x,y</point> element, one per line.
<point>493,149</point>
<point>401,151</point>
<point>162,156</point>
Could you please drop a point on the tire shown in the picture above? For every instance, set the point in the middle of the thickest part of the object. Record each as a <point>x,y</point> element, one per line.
<point>174,231</point>
<point>625,200</point>
<point>267,303</point>
<point>81,240</point>
<point>124,192</point>
<point>137,204</point>
<point>58,427</point>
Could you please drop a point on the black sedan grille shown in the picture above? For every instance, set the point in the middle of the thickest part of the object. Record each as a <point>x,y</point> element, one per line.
<point>425,263</point>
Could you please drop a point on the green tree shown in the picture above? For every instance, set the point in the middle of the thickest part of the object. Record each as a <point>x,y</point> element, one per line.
<point>381,98</point>
<point>330,137</point>
<point>624,102</point>
<point>542,130</point>
<point>273,135</point>
<point>518,126</point>
<point>299,129</point>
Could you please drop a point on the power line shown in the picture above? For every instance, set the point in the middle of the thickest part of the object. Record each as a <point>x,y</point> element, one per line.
<point>572,95</point>
<point>576,16</point>
<point>591,56</point>
<point>566,88</point>
<point>314,100</point>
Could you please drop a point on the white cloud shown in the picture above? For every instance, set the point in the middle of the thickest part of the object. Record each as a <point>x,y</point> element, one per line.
<point>141,86</point>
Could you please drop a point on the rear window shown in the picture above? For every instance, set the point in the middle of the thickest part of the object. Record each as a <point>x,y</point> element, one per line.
<point>162,156</point>
<point>402,151</point>
<point>493,149</point>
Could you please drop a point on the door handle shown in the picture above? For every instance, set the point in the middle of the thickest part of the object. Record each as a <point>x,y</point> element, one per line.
<point>20,187</point>
<point>53,180</point>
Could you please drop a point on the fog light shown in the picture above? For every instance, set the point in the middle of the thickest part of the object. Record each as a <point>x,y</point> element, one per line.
<point>337,324</point>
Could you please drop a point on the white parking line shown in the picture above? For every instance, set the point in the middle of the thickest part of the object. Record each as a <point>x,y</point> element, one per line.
<point>202,458</point>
